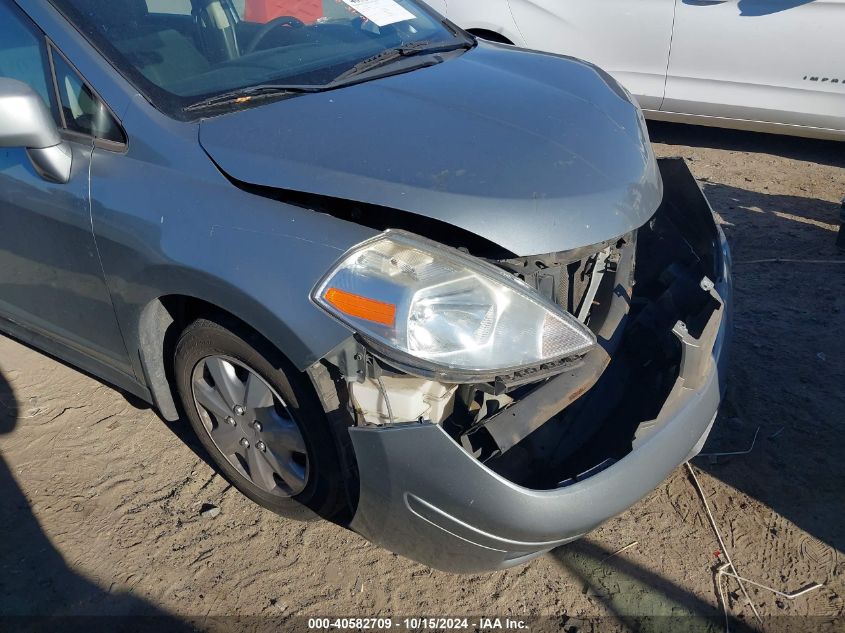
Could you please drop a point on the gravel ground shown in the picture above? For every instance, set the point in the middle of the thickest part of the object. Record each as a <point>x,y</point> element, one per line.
<point>101,499</point>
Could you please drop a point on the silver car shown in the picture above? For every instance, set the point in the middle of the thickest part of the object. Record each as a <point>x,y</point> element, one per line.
<point>433,289</point>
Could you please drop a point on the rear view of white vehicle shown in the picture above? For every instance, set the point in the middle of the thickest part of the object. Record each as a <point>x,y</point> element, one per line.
<point>762,65</point>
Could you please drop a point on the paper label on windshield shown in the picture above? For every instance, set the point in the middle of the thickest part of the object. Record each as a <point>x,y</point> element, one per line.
<point>381,12</point>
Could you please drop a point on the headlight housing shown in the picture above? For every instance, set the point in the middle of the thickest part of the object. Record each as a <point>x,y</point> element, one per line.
<point>437,311</point>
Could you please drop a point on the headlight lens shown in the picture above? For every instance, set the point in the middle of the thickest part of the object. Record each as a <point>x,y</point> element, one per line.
<point>446,312</point>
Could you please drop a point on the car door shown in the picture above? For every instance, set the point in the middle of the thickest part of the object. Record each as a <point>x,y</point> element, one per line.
<point>51,280</point>
<point>778,61</point>
<point>628,38</point>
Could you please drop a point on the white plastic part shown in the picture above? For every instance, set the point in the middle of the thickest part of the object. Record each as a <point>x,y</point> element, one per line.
<point>409,400</point>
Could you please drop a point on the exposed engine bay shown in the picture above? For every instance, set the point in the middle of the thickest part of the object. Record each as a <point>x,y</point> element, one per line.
<point>558,423</point>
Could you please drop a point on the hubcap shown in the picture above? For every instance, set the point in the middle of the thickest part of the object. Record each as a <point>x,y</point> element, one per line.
<point>263,442</point>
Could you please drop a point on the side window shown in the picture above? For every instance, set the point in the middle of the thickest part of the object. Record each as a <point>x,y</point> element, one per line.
<point>23,55</point>
<point>82,111</point>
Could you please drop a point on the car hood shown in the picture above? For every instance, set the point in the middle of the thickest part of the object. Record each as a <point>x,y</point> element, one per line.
<point>534,152</point>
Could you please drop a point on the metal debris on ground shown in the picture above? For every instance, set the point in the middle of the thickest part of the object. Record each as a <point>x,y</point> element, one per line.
<point>724,551</point>
<point>791,595</point>
<point>778,432</point>
<point>723,570</point>
<point>714,457</point>
<point>619,551</point>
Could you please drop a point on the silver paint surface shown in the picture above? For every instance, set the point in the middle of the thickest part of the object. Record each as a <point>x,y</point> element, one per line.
<point>534,152</point>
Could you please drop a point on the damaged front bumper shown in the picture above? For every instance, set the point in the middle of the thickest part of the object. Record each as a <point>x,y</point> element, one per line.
<point>426,497</point>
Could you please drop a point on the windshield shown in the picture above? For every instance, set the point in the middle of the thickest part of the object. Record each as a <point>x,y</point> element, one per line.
<point>179,52</point>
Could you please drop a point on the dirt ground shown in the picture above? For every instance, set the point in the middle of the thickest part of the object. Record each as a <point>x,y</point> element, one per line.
<point>101,499</point>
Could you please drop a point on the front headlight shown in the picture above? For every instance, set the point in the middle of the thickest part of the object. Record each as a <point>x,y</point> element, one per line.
<point>441,311</point>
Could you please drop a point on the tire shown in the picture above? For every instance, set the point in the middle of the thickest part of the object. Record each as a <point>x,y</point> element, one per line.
<point>312,481</point>
<point>490,36</point>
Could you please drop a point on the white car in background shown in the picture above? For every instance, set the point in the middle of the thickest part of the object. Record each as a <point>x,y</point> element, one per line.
<point>763,65</point>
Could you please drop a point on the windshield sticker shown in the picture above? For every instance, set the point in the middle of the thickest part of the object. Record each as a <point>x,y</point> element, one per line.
<point>381,12</point>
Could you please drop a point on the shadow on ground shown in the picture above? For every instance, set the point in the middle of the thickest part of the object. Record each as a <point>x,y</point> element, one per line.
<point>625,588</point>
<point>627,591</point>
<point>772,226</point>
<point>786,378</point>
<point>773,207</point>
<point>816,151</point>
<point>38,589</point>
<point>787,371</point>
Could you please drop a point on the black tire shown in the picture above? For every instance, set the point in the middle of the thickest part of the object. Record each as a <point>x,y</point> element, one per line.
<point>325,490</point>
<point>490,36</point>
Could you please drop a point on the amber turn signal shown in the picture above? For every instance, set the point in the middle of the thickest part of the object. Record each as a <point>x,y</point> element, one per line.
<point>362,307</point>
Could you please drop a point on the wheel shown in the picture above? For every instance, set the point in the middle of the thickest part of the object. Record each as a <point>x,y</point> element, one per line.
<point>490,36</point>
<point>259,420</point>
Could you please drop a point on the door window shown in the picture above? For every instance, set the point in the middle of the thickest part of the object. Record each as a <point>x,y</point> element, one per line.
<point>23,55</point>
<point>82,111</point>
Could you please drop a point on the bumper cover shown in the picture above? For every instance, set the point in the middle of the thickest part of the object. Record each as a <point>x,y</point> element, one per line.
<point>424,497</point>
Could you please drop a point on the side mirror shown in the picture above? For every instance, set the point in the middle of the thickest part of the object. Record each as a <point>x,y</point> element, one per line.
<point>25,121</point>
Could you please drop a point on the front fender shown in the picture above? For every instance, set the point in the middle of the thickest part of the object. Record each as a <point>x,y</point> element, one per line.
<point>168,223</point>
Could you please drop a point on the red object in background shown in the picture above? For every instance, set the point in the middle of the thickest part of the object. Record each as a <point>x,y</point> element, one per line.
<point>263,11</point>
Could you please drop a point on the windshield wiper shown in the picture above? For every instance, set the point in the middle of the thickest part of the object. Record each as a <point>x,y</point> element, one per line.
<point>244,95</point>
<point>423,47</point>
